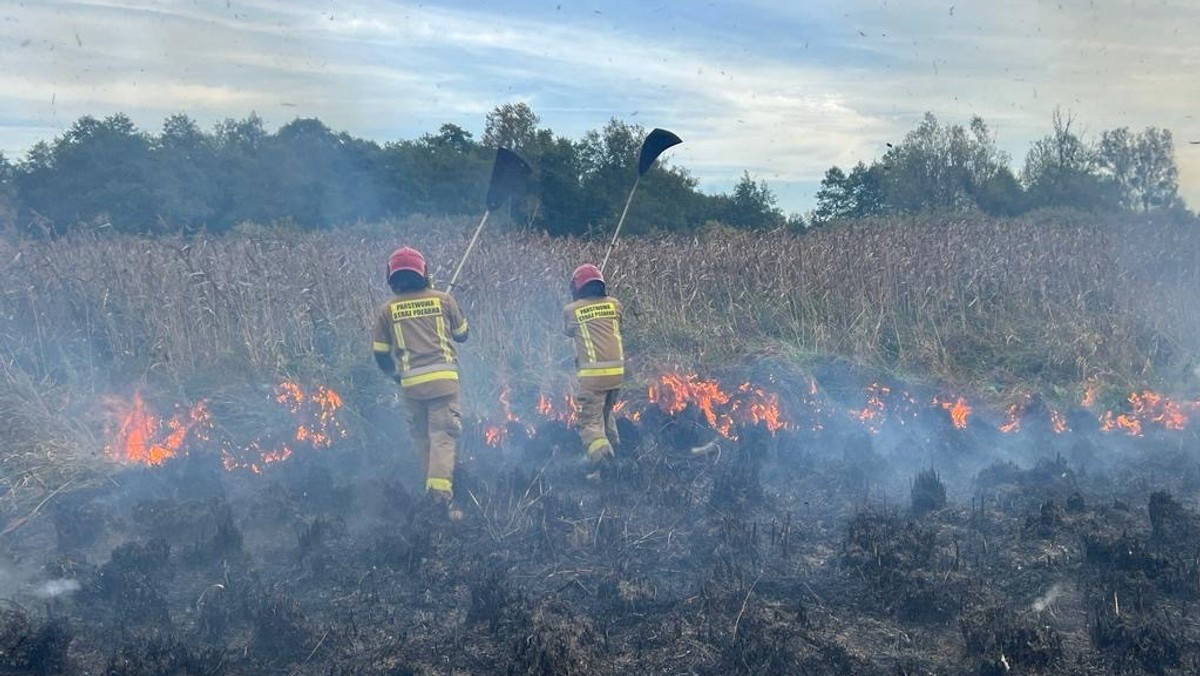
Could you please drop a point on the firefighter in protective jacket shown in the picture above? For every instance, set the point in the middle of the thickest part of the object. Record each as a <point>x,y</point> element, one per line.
<point>418,328</point>
<point>593,320</point>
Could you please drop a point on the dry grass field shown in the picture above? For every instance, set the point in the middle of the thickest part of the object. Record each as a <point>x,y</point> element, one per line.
<point>260,512</point>
<point>996,308</point>
<point>998,305</point>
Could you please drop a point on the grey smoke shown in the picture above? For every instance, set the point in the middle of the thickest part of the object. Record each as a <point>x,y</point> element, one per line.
<point>54,588</point>
<point>1047,600</point>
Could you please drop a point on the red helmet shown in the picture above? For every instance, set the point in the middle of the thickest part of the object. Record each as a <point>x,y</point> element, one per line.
<point>406,258</point>
<point>583,274</point>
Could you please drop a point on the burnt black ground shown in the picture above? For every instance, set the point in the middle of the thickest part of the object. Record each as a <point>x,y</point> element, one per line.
<point>800,553</point>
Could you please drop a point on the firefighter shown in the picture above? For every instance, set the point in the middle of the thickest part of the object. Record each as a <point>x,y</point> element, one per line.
<point>593,320</point>
<point>418,328</point>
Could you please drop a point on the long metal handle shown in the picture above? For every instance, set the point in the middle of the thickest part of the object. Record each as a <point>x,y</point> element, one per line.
<point>617,232</point>
<point>454,278</point>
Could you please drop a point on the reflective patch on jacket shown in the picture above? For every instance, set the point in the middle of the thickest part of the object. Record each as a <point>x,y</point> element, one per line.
<point>595,326</point>
<point>416,328</point>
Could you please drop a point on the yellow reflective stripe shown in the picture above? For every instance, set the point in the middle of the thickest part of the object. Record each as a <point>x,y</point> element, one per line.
<point>439,366</point>
<point>381,347</point>
<point>588,345</point>
<point>444,340</point>
<point>398,333</point>
<point>617,335</point>
<point>433,484</point>
<point>409,381</point>
<point>610,371</point>
<point>597,445</point>
<point>461,330</point>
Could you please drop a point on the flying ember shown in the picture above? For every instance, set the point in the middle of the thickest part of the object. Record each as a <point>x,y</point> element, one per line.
<point>872,415</point>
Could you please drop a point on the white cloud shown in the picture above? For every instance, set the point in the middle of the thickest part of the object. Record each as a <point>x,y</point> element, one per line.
<point>763,103</point>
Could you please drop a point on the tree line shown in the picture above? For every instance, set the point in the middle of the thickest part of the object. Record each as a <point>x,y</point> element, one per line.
<point>184,177</point>
<point>950,168</point>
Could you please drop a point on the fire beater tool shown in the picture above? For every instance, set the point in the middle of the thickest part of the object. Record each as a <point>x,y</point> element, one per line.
<point>656,142</point>
<point>509,176</point>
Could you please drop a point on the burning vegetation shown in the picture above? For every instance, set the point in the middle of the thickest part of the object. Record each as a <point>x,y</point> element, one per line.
<point>139,436</point>
<point>768,553</point>
<point>1149,408</point>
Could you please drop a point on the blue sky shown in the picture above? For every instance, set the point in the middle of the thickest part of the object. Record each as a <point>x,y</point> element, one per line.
<point>780,88</point>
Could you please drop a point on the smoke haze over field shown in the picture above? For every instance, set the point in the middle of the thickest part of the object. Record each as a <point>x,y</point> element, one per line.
<point>776,88</point>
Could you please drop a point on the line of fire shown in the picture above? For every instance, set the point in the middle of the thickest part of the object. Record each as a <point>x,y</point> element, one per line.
<point>136,434</point>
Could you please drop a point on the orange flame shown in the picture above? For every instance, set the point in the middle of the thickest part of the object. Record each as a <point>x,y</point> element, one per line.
<point>315,414</point>
<point>747,404</point>
<point>670,393</point>
<point>1131,425</point>
<point>1016,411</point>
<point>569,411</point>
<point>142,438</point>
<point>258,457</point>
<point>493,435</point>
<point>812,406</point>
<point>622,408</point>
<point>1159,409</point>
<point>1058,422</point>
<point>761,407</point>
<point>1089,396</point>
<point>505,406</point>
<point>1012,421</point>
<point>873,414</point>
<point>674,392</point>
<point>1147,407</point>
<point>959,410</point>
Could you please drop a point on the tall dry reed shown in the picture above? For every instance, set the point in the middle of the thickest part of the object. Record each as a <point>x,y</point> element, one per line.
<point>969,301</point>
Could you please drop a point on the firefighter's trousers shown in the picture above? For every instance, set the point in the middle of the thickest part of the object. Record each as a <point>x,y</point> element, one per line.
<point>597,424</point>
<point>435,426</point>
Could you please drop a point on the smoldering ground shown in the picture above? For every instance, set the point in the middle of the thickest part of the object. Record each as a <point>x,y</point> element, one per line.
<point>812,547</point>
